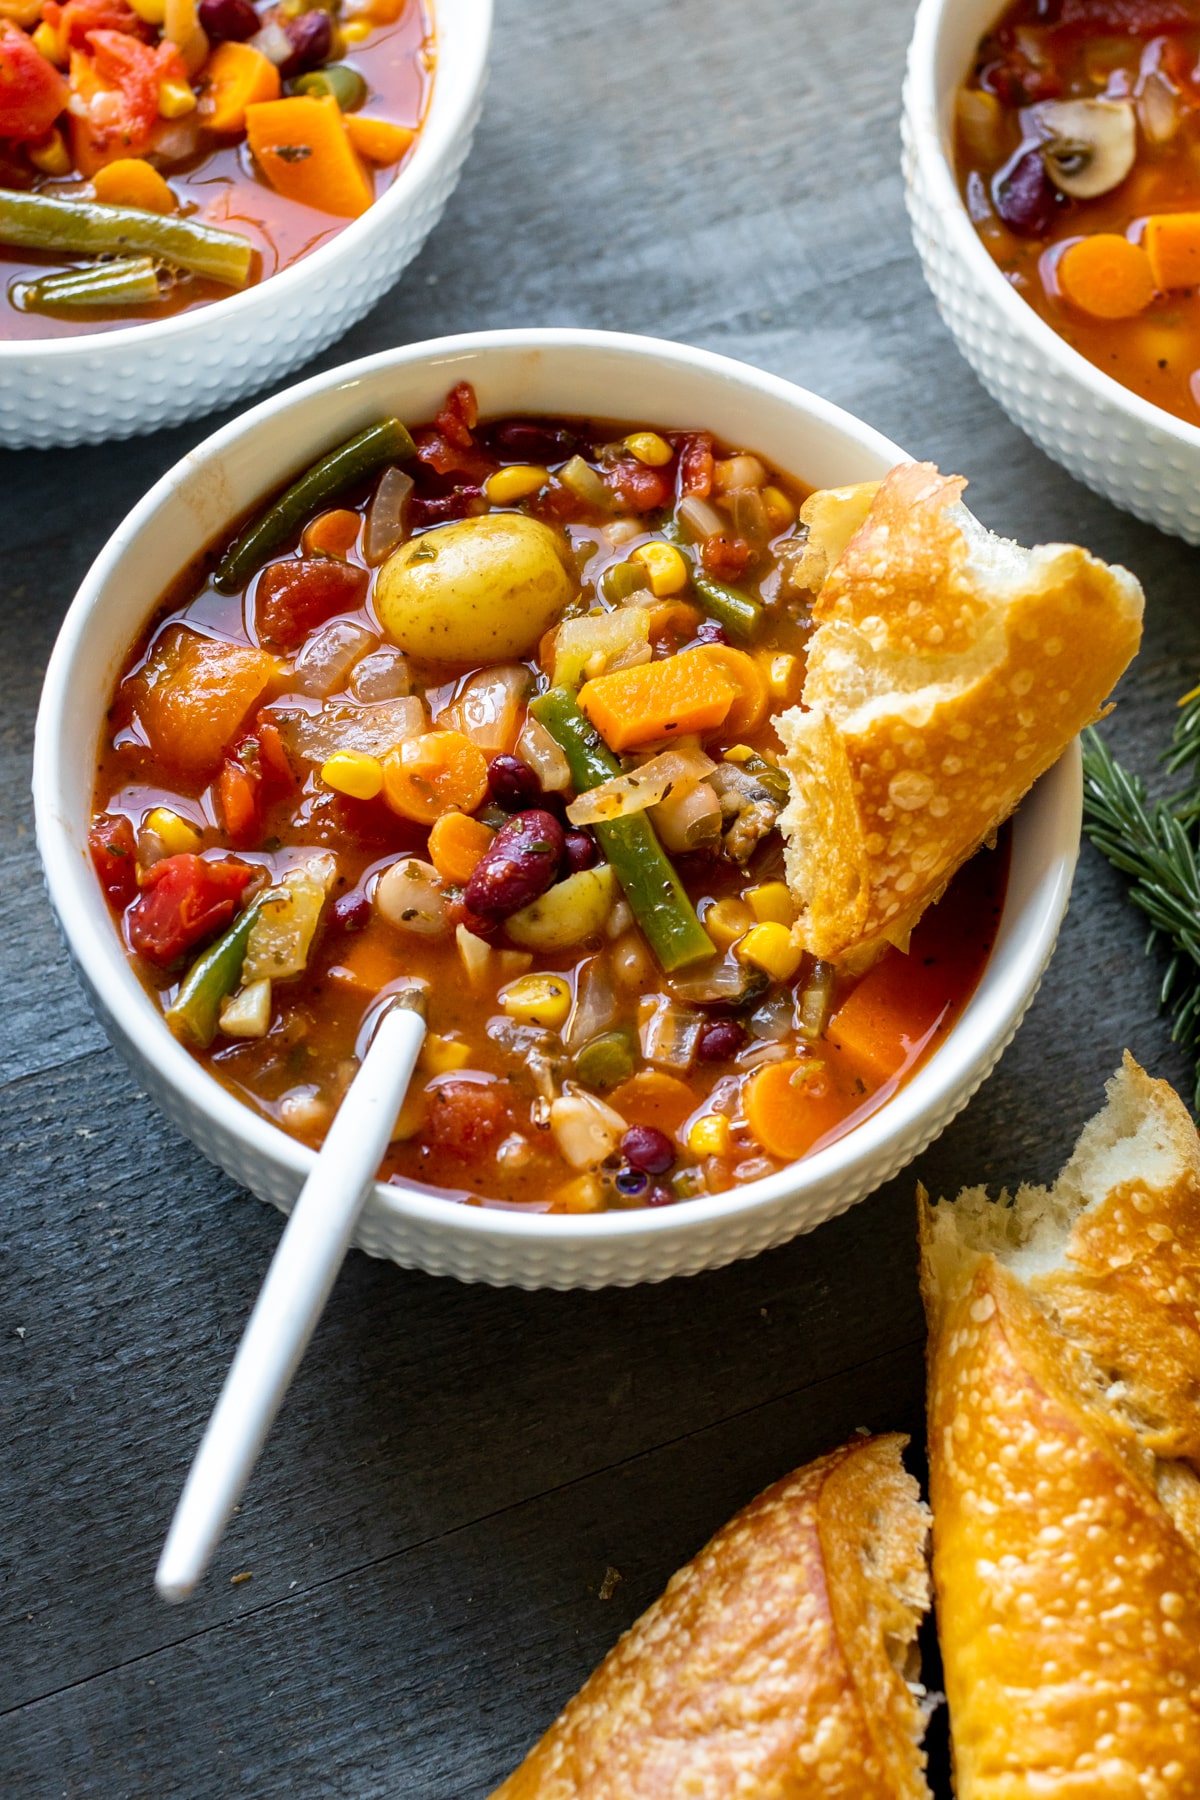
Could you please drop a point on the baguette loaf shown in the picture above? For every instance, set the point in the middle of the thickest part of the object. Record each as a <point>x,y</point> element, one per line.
<point>1064,1351</point>
<point>949,669</point>
<point>774,1664</point>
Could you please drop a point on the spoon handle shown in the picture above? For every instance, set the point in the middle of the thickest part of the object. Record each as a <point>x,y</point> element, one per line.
<point>291,1300</point>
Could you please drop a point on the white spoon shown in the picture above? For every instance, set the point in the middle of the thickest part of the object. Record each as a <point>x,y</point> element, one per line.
<point>293,1296</point>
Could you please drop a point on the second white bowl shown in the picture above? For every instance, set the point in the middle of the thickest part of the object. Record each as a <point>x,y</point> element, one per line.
<point>557,372</point>
<point>1141,458</point>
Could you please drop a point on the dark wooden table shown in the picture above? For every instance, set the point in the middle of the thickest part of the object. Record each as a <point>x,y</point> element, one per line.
<point>417,1578</point>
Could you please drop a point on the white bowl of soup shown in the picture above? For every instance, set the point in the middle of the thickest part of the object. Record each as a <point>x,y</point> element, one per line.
<point>544,1026</point>
<point>312,259</point>
<point>1061,292</point>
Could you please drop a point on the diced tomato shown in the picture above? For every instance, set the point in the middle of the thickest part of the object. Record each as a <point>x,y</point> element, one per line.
<point>696,464</point>
<point>637,487</point>
<point>459,416</point>
<point>294,597</point>
<point>114,855</point>
<point>73,21</point>
<point>725,556</point>
<point>1128,18</point>
<point>277,773</point>
<point>239,796</point>
<point>32,92</point>
<point>448,456</point>
<point>117,87</point>
<point>185,899</point>
<point>466,1119</point>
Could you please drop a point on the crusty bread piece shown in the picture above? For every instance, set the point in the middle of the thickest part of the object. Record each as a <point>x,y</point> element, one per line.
<point>775,1663</point>
<point>1064,1331</point>
<point>949,669</point>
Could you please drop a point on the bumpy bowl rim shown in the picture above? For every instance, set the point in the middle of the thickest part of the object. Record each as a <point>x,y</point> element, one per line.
<point>868,1154</point>
<point>928,144</point>
<point>457,84</point>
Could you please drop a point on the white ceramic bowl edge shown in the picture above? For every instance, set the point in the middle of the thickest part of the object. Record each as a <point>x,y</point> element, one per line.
<point>1135,454</point>
<point>559,372</point>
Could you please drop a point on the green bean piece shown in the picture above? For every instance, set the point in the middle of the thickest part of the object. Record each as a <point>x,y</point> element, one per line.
<point>345,84</point>
<point>351,462</point>
<point>196,1008</point>
<point>38,222</point>
<point>652,888</point>
<point>737,612</point>
<point>605,1060</point>
<point>129,281</point>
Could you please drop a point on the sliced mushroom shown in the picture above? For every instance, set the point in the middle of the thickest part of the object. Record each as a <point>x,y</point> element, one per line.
<point>1088,145</point>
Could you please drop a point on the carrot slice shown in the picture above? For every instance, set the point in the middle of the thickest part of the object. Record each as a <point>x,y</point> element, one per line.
<point>1107,276</point>
<point>369,965</point>
<point>439,772</point>
<point>235,77</point>
<point>132,181</point>
<point>301,146</point>
<point>378,141</point>
<point>332,533</point>
<point>1173,246</point>
<point>656,700</point>
<point>888,1016</point>
<point>751,696</point>
<point>457,843</point>
<point>789,1106</point>
<point>652,1098</point>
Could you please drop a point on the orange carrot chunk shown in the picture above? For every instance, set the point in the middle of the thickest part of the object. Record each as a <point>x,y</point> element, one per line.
<point>378,141</point>
<point>368,965</point>
<point>301,146</point>
<point>790,1105</point>
<point>889,1015</point>
<point>194,692</point>
<point>235,77</point>
<point>132,181</point>
<point>1173,246</point>
<point>333,533</point>
<point>653,1098</point>
<point>457,842</point>
<point>657,700</point>
<point>751,698</point>
<point>1107,276</point>
<point>437,773</point>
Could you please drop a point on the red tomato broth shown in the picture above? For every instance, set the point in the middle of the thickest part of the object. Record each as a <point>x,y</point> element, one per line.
<point>1084,49</point>
<point>218,185</point>
<point>464,1114</point>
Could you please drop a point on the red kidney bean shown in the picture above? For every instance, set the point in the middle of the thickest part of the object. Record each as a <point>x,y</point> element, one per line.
<point>1024,195</point>
<point>647,1148</point>
<point>527,440</point>
<point>580,850</point>
<point>513,784</point>
<point>519,865</point>
<point>350,912</point>
<point>230,20</point>
<point>709,632</point>
<point>463,503</point>
<point>720,1040</point>
<point>311,37</point>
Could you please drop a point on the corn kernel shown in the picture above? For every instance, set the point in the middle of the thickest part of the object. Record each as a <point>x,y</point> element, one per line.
<point>649,448</point>
<point>355,773</point>
<point>771,903</point>
<point>583,1195</point>
<point>739,753</point>
<point>356,31</point>
<point>51,156</point>
<point>784,675</point>
<point>770,948</point>
<point>543,1000</point>
<point>443,1055</point>
<point>154,12</point>
<point>727,921</point>
<point>51,45</point>
<point>666,568</point>
<point>780,511</point>
<point>175,98</point>
<point>176,835</point>
<point>512,963</point>
<point>516,482</point>
<point>412,1115</point>
<point>710,1136</point>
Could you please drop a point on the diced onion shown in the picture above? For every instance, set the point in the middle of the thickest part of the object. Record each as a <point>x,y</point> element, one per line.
<point>585,484</point>
<point>595,1004</point>
<point>341,725</point>
<point>698,517</point>
<point>677,770</point>
<point>545,757</point>
<point>488,707</point>
<point>386,516</point>
<point>383,675</point>
<point>272,42</point>
<point>816,998</point>
<point>329,655</point>
<point>670,1034</point>
<point>587,646</point>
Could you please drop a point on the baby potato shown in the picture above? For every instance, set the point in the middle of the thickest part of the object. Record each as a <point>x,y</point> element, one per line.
<point>475,590</point>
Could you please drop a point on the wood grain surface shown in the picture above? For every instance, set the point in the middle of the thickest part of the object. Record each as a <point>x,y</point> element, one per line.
<point>427,1537</point>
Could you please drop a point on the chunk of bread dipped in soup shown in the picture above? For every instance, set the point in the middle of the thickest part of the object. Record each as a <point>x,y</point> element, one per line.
<point>949,669</point>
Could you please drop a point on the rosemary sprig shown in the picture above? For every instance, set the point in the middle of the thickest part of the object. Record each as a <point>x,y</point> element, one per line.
<point>1157,844</point>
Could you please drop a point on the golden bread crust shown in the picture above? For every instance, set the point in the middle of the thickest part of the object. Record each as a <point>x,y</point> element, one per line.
<point>1067,1599</point>
<point>948,671</point>
<point>764,1668</point>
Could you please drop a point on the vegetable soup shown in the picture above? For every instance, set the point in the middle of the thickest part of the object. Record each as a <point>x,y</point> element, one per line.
<point>490,706</point>
<point>163,153</point>
<point>1078,156</point>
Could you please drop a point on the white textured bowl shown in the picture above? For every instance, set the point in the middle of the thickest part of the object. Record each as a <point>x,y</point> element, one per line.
<point>1138,456</point>
<point>114,384</point>
<point>565,372</point>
